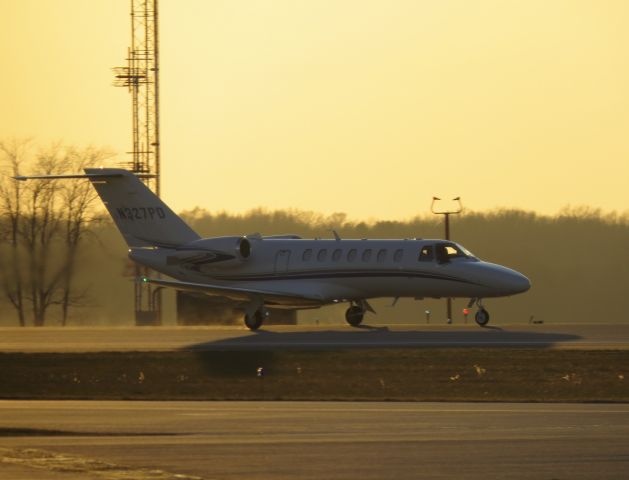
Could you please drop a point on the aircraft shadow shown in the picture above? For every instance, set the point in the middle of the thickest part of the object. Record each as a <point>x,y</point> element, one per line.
<point>383,337</point>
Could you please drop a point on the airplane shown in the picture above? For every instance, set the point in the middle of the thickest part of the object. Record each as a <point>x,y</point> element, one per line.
<point>287,271</point>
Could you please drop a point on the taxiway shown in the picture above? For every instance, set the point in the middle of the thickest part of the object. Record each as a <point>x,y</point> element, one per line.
<point>313,440</point>
<point>92,339</point>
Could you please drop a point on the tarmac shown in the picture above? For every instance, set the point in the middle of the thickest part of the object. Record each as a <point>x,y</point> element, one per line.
<point>165,338</point>
<point>165,440</point>
<point>311,440</point>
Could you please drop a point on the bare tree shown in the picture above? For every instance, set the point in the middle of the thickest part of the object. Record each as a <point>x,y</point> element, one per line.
<point>45,223</point>
<point>78,199</point>
<point>14,154</point>
<point>38,232</point>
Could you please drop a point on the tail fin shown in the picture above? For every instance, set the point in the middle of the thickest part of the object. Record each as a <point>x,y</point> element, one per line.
<point>142,218</point>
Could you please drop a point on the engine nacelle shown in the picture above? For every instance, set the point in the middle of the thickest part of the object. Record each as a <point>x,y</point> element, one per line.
<point>212,253</point>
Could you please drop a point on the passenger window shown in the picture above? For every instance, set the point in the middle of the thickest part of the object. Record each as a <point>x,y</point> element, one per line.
<point>426,254</point>
<point>366,255</point>
<point>322,254</point>
<point>351,255</point>
<point>307,256</point>
<point>336,256</point>
<point>382,255</point>
<point>397,256</point>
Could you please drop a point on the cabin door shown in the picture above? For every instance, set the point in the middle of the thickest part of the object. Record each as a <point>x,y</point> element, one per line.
<point>282,257</point>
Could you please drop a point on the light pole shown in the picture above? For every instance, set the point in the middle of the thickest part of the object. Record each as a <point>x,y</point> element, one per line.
<point>446,215</point>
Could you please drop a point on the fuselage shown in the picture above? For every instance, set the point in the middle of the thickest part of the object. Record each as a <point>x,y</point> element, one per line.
<point>337,270</point>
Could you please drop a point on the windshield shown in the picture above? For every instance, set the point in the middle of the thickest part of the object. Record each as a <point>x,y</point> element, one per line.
<point>465,251</point>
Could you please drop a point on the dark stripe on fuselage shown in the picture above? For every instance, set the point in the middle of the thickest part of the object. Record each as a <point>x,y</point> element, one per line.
<point>197,264</point>
<point>354,274</point>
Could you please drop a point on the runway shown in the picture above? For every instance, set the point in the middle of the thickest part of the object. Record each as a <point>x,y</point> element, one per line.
<point>93,339</point>
<point>312,440</point>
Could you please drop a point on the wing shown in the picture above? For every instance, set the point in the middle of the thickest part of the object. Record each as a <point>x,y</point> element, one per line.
<point>239,294</point>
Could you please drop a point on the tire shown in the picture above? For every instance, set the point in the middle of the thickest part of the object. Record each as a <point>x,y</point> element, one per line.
<point>254,321</point>
<point>482,317</point>
<point>354,316</point>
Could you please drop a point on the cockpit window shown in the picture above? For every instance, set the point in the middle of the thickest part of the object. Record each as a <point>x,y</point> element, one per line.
<point>426,254</point>
<point>448,251</point>
<point>443,252</point>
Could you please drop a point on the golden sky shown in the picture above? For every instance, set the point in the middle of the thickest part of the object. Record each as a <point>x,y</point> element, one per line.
<point>361,106</point>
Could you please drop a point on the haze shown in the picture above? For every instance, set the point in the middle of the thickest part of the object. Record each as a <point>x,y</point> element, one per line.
<point>365,107</point>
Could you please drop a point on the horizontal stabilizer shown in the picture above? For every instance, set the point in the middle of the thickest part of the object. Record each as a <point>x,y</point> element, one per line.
<point>79,175</point>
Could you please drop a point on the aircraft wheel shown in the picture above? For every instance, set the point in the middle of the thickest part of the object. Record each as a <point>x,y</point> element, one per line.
<point>354,316</point>
<point>254,321</point>
<point>482,317</point>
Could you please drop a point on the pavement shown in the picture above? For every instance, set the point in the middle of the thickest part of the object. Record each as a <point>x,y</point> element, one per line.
<point>311,440</point>
<point>93,339</point>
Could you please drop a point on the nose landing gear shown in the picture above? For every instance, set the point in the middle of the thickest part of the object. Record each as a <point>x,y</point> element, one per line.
<point>482,315</point>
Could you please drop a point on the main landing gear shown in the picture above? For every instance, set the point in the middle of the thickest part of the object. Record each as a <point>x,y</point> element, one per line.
<point>356,311</point>
<point>354,315</point>
<point>254,320</point>
<point>482,315</point>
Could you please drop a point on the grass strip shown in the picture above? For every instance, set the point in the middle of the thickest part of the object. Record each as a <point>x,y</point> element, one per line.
<point>440,374</point>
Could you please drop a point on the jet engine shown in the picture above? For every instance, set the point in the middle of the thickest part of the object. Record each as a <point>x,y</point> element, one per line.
<point>212,253</point>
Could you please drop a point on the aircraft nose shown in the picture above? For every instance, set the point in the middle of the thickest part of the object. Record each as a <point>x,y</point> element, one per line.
<point>501,280</point>
<point>518,283</point>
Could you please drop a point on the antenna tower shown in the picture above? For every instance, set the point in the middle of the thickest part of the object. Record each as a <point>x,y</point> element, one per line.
<point>141,77</point>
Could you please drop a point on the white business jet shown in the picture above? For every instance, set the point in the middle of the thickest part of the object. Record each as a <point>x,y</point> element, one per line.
<point>286,271</point>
